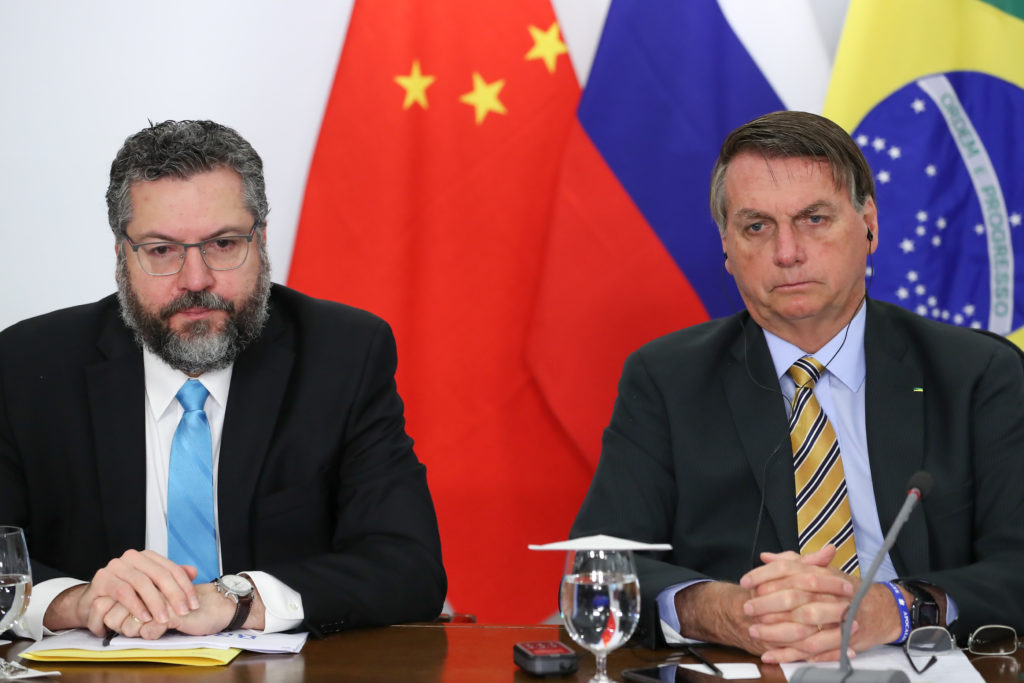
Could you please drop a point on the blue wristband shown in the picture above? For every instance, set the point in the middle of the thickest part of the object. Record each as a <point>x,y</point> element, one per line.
<point>901,605</point>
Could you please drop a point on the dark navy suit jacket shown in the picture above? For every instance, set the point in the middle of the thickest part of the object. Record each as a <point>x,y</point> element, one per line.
<point>318,483</point>
<point>687,458</point>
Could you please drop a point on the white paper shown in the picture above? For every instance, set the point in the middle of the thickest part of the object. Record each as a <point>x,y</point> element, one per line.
<point>253,641</point>
<point>730,672</point>
<point>600,542</point>
<point>953,667</point>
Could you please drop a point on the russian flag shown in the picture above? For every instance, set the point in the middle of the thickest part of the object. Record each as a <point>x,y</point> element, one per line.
<point>633,252</point>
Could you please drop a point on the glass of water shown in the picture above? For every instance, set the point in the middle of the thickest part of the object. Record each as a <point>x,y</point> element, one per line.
<point>600,601</point>
<point>15,576</point>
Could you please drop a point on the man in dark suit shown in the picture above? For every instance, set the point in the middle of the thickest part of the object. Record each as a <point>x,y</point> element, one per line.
<point>700,449</point>
<point>319,498</point>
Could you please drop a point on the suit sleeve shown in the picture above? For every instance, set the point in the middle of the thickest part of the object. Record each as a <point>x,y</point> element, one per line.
<point>977,539</point>
<point>385,565</point>
<point>633,493</point>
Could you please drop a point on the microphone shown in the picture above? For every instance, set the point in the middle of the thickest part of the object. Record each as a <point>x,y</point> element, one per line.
<point>918,487</point>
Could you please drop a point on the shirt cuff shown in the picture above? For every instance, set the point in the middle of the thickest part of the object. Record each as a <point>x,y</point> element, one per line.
<point>31,623</point>
<point>669,618</point>
<point>951,610</point>
<point>282,604</point>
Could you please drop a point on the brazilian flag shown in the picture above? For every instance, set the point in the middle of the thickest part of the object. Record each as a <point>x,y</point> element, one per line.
<point>933,92</point>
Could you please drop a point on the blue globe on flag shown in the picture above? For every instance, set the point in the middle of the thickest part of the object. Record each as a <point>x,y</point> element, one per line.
<point>947,151</point>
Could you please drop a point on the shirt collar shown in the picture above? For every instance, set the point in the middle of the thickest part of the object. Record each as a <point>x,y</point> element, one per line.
<point>163,383</point>
<point>843,355</point>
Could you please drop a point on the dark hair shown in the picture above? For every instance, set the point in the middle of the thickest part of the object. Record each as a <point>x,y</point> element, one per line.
<point>788,134</point>
<point>182,149</point>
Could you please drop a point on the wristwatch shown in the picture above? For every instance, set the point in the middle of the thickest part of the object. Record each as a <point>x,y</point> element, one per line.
<point>924,611</point>
<point>240,590</point>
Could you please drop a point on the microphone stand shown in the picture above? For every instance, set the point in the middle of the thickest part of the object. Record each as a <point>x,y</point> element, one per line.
<point>845,673</point>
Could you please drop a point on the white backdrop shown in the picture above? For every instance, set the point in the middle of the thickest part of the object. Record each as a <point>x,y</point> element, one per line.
<point>76,78</point>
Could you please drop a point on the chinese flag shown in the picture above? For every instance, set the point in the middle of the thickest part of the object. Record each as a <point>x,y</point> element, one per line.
<point>428,203</point>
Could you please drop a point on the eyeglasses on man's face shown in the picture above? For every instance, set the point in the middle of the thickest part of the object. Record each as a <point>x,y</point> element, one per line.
<point>933,641</point>
<point>224,252</point>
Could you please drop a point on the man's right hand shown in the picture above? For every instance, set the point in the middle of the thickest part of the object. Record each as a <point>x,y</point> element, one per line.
<point>716,611</point>
<point>143,585</point>
<point>788,609</point>
<point>798,605</point>
<point>794,596</point>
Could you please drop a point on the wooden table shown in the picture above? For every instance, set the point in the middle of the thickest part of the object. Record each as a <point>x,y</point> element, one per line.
<point>417,654</point>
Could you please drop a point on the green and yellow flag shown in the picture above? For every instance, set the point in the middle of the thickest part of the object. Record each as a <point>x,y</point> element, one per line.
<point>933,92</point>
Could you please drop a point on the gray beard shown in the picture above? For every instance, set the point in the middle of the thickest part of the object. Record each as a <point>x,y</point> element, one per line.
<point>197,348</point>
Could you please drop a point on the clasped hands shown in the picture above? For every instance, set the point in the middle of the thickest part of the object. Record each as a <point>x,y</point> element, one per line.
<point>142,594</point>
<point>796,605</point>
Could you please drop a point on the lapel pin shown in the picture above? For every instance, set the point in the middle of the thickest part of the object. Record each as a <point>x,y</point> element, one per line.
<point>918,390</point>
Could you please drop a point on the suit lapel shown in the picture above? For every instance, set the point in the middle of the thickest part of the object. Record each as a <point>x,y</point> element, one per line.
<point>117,399</point>
<point>759,420</point>
<point>258,384</point>
<point>895,432</point>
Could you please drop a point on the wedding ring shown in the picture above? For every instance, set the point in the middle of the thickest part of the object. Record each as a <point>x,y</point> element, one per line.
<point>819,628</point>
<point>132,616</point>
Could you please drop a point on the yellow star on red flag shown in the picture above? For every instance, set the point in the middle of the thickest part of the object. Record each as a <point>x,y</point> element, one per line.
<point>415,85</point>
<point>547,45</point>
<point>484,97</point>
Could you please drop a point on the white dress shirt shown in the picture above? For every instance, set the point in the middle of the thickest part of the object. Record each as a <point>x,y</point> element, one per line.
<point>163,412</point>
<point>840,392</point>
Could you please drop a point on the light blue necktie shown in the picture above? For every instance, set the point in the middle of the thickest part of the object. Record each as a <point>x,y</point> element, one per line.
<point>191,534</point>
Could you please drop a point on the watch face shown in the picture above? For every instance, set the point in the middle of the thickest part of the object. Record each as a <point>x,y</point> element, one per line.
<point>236,584</point>
<point>929,614</point>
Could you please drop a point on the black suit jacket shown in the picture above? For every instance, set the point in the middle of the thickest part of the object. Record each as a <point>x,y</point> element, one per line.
<point>699,435</point>
<point>318,483</point>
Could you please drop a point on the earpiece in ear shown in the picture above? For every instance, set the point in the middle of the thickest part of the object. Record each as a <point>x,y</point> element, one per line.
<point>725,255</point>
<point>871,236</point>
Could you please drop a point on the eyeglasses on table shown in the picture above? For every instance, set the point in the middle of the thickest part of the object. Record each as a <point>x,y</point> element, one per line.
<point>934,641</point>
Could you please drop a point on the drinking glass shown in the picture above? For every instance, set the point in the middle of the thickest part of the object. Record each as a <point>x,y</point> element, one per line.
<point>600,601</point>
<point>15,576</point>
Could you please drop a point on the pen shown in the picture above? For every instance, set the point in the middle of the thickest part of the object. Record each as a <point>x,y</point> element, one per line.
<point>110,634</point>
<point>704,660</point>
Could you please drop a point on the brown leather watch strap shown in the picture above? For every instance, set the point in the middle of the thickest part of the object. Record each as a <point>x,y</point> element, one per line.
<point>242,609</point>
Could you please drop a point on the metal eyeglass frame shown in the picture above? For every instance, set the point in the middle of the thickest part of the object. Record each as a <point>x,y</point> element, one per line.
<point>201,246</point>
<point>939,640</point>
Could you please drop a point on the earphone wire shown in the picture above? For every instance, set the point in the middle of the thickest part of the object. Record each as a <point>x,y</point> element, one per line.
<point>750,374</point>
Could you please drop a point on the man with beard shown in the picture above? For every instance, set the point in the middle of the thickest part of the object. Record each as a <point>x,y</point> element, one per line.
<point>207,450</point>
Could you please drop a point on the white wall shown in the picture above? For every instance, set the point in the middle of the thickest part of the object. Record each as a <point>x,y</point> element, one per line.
<point>76,78</point>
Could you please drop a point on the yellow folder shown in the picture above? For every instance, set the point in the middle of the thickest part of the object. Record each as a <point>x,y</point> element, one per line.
<point>201,656</point>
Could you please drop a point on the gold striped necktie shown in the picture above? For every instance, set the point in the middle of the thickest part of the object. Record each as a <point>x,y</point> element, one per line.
<point>822,505</point>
